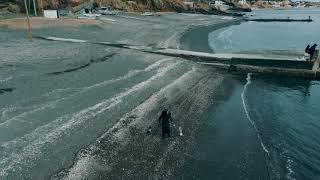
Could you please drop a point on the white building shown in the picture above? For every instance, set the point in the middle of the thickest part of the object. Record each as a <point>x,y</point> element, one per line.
<point>189,4</point>
<point>242,2</point>
<point>216,3</point>
<point>52,14</point>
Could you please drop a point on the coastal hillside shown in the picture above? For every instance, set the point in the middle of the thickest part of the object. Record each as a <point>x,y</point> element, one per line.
<point>136,5</point>
<point>140,5</point>
<point>202,7</point>
<point>133,5</point>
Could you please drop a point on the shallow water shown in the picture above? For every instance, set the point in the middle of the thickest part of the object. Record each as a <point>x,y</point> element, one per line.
<point>258,36</point>
<point>283,112</point>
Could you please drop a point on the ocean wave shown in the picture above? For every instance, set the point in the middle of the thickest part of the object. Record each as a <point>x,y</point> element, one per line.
<point>221,39</point>
<point>246,109</point>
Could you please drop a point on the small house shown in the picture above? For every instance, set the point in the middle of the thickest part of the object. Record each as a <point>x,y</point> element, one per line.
<point>189,4</point>
<point>242,2</point>
<point>216,3</point>
<point>52,14</point>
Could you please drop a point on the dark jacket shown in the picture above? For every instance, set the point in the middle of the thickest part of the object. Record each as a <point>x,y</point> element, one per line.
<point>307,50</point>
<point>165,119</point>
<point>312,49</point>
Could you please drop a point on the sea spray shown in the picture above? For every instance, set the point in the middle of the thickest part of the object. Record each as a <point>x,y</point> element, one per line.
<point>245,107</point>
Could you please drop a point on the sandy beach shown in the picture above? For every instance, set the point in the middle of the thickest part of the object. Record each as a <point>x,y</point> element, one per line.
<point>120,94</point>
<point>72,108</point>
<point>39,22</point>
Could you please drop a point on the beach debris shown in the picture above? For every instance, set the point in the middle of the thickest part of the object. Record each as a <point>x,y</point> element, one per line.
<point>180,131</point>
<point>149,130</point>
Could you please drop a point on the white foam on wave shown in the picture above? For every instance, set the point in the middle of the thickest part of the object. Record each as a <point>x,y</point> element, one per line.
<point>171,39</point>
<point>121,128</point>
<point>108,19</point>
<point>19,118</point>
<point>80,90</point>
<point>66,39</point>
<point>227,18</point>
<point>41,137</point>
<point>245,107</point>
<point>290,170</point>
<point>223,37</point>
<point>5,79</point>
<point>131,17</point>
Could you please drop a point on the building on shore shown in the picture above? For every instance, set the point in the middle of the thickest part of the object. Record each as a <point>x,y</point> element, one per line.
<point>216,3</point>
<point>242,2</point>
<point>189,4</point>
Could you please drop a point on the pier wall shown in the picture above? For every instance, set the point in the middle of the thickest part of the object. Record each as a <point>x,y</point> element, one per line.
<point>263,63</point>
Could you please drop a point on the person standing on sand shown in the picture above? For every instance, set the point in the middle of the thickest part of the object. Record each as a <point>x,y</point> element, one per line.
<point>164,120</point>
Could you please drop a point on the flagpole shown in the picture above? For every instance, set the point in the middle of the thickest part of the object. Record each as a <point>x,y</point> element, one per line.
<point>41,4</point>
<point>28,21</point>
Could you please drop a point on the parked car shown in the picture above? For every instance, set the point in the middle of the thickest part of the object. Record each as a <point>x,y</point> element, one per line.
<point>106,11</point>
<point>87,14</point>
<point>147,14</point>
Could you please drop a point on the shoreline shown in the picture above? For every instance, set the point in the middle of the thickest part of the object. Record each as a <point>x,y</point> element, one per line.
<point>196,38</point>
<point>121,149</point>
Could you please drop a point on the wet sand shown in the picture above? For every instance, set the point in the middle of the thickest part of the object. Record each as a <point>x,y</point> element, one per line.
<point>94,141</point>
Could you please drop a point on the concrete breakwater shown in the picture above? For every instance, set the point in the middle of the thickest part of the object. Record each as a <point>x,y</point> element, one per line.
<point>279,20</point>
<point>289,65</point>
<point>285,65</point>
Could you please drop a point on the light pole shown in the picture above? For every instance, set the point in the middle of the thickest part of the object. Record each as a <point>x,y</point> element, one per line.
<point>34,7</point>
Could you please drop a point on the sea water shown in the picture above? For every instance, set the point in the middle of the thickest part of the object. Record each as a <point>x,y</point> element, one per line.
<point>257,36</point>
<point>280,139</point>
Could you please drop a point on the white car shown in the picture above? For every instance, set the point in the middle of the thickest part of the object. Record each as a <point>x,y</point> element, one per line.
<point>106,11</point>
<point>87,14</point>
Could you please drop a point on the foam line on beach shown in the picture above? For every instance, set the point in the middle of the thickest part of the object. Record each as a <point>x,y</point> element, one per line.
<point>40,138</point>
<point>120,130</point>
<point>5,79</point>
<point>107,19</point>
<point>65,39</point>
<point>245,107</point>
<point>224,37</point>
<point>52,104</point>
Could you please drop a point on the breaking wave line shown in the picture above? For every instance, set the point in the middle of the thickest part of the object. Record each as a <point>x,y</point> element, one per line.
<point>245,107</point>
